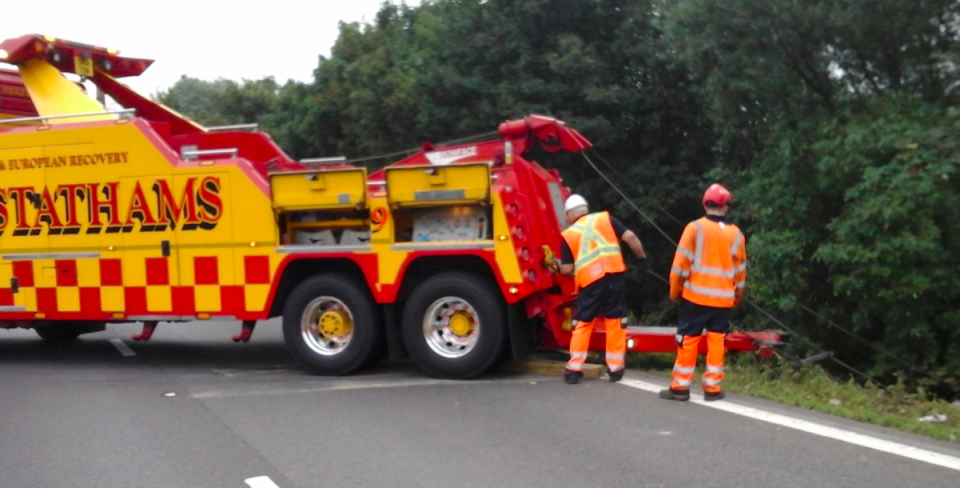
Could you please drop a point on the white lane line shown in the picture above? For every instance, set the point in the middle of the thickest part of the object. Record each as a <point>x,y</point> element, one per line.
<point>261,482</point>
<point>122,347</point>
<point>814,428</point>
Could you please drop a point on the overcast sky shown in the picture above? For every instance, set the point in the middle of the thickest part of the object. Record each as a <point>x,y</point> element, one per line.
<point>204,39</point>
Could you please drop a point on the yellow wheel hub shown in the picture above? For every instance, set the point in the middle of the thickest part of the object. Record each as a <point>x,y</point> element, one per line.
<point>461,324</point>
<point>334,323</point>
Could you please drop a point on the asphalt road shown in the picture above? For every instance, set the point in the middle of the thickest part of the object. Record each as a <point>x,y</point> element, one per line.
<point>192,409</point>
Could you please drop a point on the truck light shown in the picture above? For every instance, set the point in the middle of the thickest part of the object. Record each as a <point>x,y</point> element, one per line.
<point>4,54</point>
<point>502,237</point>
<point>111,248</point>
<point>117,315</point>
<point>253,244</point>
<point>203,316</point>
<point>50,38</point>
<point>514,290</point>
<point>40,315</point>
<point>631,343</point>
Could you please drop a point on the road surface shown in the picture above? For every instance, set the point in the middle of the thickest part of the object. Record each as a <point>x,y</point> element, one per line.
<point>192,409</point>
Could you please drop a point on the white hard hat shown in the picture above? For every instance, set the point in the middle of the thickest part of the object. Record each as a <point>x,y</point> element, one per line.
<point>574,201</point>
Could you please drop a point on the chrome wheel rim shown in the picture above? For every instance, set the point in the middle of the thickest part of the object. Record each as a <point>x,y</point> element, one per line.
<point>451,327</point>
<point>327,325</point>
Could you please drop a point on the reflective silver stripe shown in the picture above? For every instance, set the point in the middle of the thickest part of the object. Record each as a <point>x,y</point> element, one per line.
<point>710,292</point>
<point>741,268</point>
<point>686,252</point>
<point>710,381</point>
<point>431,246</point>
<point>588,233</point>
<point>326,249</point>
<point>578,355</point>
<point>715,272</point>
<point>742,284</point>
<point>682,382</point>
<point>614,357</point>
<point>575,366</point>
<point>683,370</point>
<point>594,254</point>
<point>698,254</point>
<point>681,272</point>
<point>715,369</point>
<point>735,248</point>
<point>614,370</point>
<point>54,255</point>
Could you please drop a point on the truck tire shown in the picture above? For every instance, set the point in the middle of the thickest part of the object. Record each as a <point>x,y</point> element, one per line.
<point>66,332</point>
<point>454,325</point>
<point>331,325</point>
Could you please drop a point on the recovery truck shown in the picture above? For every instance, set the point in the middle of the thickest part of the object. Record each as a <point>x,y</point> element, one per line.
<point>142,215</point>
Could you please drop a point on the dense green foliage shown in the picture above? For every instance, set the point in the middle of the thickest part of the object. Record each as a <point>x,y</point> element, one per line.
<point>832,120</point>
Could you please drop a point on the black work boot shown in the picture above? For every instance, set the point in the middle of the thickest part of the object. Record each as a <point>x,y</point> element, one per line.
<point>712,397</point>
<point>615,377</point>
<point>678,395</point>
<point>572,377</point>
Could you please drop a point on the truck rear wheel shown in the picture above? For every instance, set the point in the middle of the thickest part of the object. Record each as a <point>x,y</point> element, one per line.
<point>454,325</point>
<point>331,325</point>
<point>65,332</point>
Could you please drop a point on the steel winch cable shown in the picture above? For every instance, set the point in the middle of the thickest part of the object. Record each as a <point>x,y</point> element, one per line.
<point>638,187</point>
<point>628,200</point>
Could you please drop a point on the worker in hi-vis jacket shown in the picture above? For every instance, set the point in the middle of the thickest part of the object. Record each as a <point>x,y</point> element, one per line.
<point>590,251</point>
<point>707,279</point>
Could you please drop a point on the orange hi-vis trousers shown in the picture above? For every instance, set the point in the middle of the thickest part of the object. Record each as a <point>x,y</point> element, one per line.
<point>686,365</point>
<point>616,344</point>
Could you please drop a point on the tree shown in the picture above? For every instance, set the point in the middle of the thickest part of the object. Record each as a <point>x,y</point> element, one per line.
<point>221,102</point>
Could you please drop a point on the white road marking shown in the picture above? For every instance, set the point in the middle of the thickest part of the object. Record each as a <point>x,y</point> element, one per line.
<point>261,482</point>
<point>850,437</point>
<point>122,347</point>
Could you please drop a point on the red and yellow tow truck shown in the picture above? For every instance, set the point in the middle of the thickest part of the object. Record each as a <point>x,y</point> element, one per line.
<point>142,215</point>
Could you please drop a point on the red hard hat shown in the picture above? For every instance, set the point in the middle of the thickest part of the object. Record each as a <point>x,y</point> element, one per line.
<point>718,195</point>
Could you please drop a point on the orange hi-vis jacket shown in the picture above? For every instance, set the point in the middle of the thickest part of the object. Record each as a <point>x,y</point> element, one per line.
<point>595,247</point>
<point>710,266</point>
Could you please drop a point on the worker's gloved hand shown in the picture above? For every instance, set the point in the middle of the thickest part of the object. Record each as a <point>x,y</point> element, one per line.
<point>550,260</point>
<point>624,322</point>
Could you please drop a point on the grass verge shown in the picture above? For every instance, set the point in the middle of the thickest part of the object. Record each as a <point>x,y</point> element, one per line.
<point>812,388</point>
